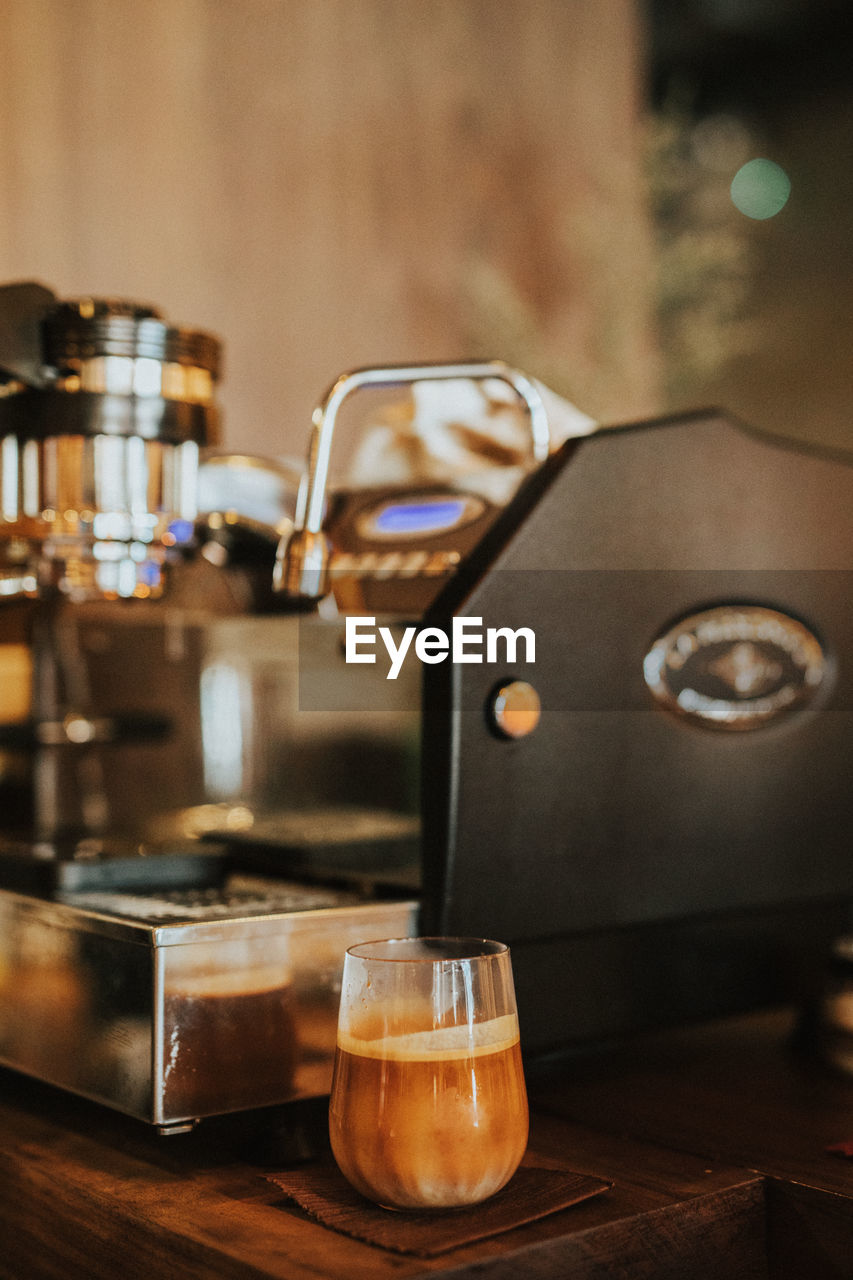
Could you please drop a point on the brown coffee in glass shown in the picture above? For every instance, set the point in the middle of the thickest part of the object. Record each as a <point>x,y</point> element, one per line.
<point>428,1106</point>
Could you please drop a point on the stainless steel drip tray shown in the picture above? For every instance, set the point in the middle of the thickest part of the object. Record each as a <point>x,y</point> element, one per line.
<point>175,1003</point>
<point>240,897</point>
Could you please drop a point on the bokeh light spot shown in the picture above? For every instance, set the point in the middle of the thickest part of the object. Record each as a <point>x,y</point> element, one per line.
<point>760,189</point>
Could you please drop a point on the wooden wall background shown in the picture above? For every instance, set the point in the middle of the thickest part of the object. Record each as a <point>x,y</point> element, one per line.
<point>327,183</point>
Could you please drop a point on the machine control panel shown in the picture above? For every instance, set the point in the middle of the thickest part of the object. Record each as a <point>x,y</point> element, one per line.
<point>393,547</point>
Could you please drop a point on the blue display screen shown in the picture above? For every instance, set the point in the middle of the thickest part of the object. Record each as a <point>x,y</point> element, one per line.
<point>419,517</point>
<point>181,530</point>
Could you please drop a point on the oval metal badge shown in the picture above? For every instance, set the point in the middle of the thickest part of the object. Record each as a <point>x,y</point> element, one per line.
<point>735,666</point>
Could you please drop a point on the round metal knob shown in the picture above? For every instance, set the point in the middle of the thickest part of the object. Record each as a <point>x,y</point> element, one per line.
<point>515,709</point>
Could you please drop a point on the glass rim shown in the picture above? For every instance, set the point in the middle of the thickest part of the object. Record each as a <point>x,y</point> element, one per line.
<point>457,949</point>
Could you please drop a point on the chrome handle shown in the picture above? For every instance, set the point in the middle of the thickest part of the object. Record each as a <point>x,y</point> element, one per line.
<point>303,558</point>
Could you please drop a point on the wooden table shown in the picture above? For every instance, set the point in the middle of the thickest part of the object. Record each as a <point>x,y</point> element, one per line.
<point>715,1139</point>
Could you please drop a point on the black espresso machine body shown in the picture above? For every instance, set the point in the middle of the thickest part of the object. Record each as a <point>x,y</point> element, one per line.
<point>667,833</point>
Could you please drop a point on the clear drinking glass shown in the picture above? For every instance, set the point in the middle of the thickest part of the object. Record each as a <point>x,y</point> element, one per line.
<point>428,1106</point>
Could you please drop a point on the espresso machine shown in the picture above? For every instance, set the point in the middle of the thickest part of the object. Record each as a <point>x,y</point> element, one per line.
<point>649,803</point>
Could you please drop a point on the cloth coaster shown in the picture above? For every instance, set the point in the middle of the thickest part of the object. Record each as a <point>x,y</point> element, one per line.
<point>533,1192</point>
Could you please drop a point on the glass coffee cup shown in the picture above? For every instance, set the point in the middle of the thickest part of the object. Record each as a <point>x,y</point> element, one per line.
<point>428,1106</point>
